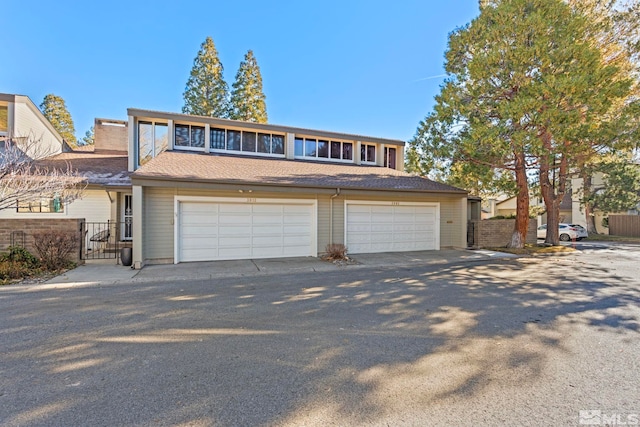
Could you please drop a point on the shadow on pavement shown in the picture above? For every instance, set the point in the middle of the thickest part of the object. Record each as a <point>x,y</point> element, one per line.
<point>298,349</point>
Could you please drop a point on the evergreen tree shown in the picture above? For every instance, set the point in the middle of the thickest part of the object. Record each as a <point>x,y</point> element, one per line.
<point>247,98</point>
<point>89,137</point>
<point>55,110</point>
<point>206,93</point>
<point>528,93</point>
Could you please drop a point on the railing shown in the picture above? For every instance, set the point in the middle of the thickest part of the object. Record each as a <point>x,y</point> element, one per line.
<point>102,240</point>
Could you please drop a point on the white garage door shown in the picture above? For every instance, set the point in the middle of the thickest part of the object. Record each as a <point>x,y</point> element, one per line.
<point>377,227</point>
<point>210,231</point>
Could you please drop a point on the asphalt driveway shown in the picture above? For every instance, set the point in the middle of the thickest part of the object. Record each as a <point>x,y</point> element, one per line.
<point>493,342</point>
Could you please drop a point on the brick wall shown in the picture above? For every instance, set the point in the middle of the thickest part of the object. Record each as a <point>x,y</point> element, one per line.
<point>496,233</point>
<point>34,226</point>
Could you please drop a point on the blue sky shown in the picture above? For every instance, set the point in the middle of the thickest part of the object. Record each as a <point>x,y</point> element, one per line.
<point>364,67</point>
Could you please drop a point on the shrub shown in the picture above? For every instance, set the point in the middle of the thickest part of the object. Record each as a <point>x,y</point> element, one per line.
<point>18,254</point>
<point>54,248</point>
<point>335,251</point>
<point>17,264</point>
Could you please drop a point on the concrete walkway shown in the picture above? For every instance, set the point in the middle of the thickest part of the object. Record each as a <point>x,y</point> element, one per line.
<point>94,273</point>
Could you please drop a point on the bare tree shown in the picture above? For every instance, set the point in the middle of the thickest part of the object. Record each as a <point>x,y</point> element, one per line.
<point>26,178</point>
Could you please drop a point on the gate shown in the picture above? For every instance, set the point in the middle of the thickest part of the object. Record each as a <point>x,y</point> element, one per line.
<point>471,234</point>
<point>102,240</point>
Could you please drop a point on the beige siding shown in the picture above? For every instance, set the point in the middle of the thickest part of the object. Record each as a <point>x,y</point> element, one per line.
<point>453,223</point>
<point>93,207</point>
<point>159,220</point>
<point>452,218</point>
<point>158,223</point>
<point>29,124</point>
<point>324,224</point>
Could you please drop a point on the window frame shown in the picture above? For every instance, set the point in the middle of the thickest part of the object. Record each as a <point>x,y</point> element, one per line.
<point>299,139</point>
<point>388,157</point>
<point>44,201</point>
<point>241,151</point>
<point>364,147</point>
<point>6,131</point>
<point>189,147</point>
<point>153,124</point>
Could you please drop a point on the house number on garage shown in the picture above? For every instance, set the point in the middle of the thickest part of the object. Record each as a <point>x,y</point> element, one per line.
<point>251,200</point>
<point>395,203</point>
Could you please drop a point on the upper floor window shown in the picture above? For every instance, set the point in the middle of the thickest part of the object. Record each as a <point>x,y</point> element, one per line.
<point>390,157</point>
<point>323,149</point>
<point>45,205</point>
<point>188,136</point>
<point>4,119</point>
<point>153,139</point>
<point>368,153</point>
<point>245,141</point>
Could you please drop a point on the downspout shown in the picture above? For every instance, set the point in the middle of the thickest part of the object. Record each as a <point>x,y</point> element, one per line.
<point>331,215</point>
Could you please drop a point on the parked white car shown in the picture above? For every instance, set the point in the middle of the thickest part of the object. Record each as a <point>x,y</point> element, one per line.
<point>565,231</point>
<point>582,232</point>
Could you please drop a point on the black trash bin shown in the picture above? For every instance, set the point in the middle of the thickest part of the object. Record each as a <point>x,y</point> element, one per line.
<point>126,256</point>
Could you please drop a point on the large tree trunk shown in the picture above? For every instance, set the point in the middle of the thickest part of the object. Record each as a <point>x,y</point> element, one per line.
<point>552,189</point>
<point>519,236</point>
<point>588,204</point>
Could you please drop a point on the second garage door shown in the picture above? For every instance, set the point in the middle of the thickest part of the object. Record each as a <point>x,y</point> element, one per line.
<point>209,231</point>
<point>391,227</point>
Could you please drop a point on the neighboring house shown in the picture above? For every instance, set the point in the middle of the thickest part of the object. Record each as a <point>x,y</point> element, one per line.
<point>578,212</point>
<point>21,119</point>
<point>104,166</point>
<point>215,189</point>
<point>507,207</point>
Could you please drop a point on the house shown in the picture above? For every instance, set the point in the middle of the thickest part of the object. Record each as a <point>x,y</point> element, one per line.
<point>214,189</point>
<point>104,168</point>
<point>182,188</point>
<point>506,207</point>
<point>21,119</point>
<point>598,181</point>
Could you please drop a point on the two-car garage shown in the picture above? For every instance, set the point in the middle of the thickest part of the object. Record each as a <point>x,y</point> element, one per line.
<point>208,228</point>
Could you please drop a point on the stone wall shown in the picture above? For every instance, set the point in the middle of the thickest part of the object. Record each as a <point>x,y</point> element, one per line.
<point>33,226</point>
<point>496,233</point>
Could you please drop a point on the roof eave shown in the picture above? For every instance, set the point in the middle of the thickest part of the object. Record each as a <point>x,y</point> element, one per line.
<point>158,177</point>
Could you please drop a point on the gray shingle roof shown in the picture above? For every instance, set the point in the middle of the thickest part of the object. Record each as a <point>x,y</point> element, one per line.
<point>98,169</point>
<point>238,169</point>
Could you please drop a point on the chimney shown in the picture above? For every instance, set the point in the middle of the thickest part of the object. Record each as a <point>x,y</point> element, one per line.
<point>111,136</point>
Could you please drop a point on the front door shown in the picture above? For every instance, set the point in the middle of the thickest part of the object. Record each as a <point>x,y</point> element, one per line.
<point>127,217</point>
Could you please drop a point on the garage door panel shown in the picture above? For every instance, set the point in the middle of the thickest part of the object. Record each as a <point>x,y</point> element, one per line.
<point>381,228</point>
<point>227,230</point>
<point>233,231</point>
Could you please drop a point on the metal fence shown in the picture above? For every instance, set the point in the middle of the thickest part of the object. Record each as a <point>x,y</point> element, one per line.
<point>624,225</point>
<point>103,240</point>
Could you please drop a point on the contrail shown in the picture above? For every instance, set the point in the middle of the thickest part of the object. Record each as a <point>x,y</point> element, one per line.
<point>430,78</point>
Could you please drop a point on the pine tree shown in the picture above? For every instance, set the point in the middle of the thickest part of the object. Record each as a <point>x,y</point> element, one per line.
<point>247,98</point>
<point>89,137</point>
<point>528,94</point>
<point>55,110</point>
<point>206,93</point>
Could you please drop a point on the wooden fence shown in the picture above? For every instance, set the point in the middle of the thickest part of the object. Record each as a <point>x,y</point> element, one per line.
<point>624,225</point>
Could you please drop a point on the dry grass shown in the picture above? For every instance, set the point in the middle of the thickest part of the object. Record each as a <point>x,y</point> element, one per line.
<point>335,252</point>
<point>535,250</point>
<point>608,238</point>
